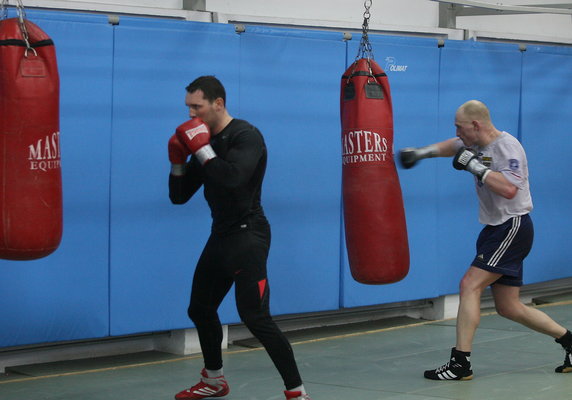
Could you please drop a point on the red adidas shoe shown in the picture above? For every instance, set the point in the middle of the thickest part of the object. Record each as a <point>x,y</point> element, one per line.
<point>297,395</point>
<point>207,387</point>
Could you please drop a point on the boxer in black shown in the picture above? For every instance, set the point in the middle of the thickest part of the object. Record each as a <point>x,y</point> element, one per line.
<point>229,160</point>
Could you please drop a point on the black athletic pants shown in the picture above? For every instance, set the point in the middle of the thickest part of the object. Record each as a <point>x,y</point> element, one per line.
<point>240,258</point>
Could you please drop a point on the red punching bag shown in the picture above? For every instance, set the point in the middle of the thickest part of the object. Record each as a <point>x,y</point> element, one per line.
<point>376,233</point>
<point>30,175</point>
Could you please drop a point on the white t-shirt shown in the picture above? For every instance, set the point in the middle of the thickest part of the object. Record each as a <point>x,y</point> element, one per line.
<point>505,155</point>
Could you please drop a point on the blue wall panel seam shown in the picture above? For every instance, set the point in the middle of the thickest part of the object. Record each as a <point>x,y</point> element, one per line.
<point>110,182</point>
<point>519,132</point>
<point>342,228</point>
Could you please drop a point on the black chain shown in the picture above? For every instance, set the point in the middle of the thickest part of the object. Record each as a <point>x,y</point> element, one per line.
<point>365,50</point>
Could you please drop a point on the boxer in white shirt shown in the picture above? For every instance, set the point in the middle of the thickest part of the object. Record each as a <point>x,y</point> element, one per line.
<point>498,163</point>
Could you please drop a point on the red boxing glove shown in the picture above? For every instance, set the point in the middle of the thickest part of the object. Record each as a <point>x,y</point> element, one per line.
<point>196,136</point>
<point>178,152</point>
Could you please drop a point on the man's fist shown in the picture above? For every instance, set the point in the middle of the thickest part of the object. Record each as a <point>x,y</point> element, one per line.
<point>466,158</point>
<point>196,136</point>
<point>178,152</point>
<point>410,155</point>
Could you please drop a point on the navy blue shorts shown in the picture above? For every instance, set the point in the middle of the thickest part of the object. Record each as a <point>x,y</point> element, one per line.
<point>502,249</point>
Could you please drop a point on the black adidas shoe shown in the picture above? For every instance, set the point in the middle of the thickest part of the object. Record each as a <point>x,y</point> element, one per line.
<point>566,342</point>
<point>457,369</point>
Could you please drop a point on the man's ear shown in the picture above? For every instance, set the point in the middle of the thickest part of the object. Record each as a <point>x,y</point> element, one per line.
<point>219,102</point>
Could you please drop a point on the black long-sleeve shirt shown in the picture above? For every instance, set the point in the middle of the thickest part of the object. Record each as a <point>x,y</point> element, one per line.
<point>232,180</point>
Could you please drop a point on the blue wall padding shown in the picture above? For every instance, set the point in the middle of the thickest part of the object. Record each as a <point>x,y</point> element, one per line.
<point>546,134</point>
<point>290,91</point>
<point>491,73</point>
<point>127,256</point>
<point>154,244</point>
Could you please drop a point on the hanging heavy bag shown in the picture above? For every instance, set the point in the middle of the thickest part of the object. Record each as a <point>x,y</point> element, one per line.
<point>374,217</point>
<point>30,174</point>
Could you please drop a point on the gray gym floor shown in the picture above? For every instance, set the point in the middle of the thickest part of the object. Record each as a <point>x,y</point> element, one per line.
<point>378,360</point>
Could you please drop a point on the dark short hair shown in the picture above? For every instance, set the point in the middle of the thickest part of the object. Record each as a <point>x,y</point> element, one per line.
<point>211,87</point>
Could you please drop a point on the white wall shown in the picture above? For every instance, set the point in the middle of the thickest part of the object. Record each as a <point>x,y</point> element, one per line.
<point>392,16</point>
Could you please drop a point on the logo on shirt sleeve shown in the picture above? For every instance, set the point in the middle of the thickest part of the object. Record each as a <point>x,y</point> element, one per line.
<point>513,164</point>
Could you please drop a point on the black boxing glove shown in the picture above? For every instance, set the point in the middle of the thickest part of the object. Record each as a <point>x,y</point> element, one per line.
<point>410,155</point>
<point>466,159</point>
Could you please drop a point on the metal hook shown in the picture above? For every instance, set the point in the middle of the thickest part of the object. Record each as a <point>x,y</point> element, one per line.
<point>33,51</point>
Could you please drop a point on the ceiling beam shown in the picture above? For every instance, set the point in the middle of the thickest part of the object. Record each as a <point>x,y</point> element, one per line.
<point>450,10</point>
<point>471,7</point>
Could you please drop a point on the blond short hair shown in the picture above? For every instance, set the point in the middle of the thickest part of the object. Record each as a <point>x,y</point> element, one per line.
<point>475,110</point>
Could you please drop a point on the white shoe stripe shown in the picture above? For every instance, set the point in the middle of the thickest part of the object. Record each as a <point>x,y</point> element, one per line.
<point>446,375</point>
<point>205,390</point>
<point>505,243</point>
<point>450,374</point>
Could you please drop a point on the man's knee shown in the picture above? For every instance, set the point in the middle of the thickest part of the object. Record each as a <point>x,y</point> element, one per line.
<point>254,319</point>
<point>476,280</point>
<point>201,314</point>
<point>469,286</point>
<point>504,311</point>
<point>508,309</point>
